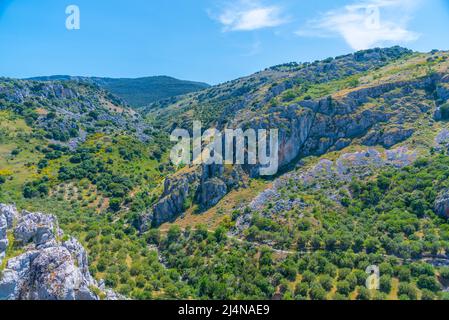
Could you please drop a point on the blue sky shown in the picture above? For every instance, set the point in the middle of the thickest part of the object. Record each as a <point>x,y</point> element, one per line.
<point>205,40</point>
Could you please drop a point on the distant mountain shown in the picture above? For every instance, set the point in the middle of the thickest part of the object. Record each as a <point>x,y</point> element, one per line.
<point>137,92</point>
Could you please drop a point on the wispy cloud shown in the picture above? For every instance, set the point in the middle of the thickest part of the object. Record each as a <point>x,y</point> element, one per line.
<point>254,49</point>
<point>366,24</point>
<point>248,15</point>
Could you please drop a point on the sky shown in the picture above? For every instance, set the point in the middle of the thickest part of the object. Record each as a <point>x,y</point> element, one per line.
<point>205,40</point>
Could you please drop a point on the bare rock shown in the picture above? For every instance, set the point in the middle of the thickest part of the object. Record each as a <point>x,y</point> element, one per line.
<point>10,213</point>
<point>36,227</point>
<point>441,206</point>
<point>212,192</point>
<point>48,269</point>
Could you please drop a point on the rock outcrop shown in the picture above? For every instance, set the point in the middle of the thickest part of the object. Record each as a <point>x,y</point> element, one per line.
<point>442,204</point>
<point>3,237</point>
<point>206,185</point>
<point>172,203</point>
<point>370,113</point>
<point>8,214</point>
<point>48,268</point>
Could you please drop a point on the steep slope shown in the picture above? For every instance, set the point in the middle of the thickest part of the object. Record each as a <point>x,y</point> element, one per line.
<point>139,92</point>
<point>74,150</point>
<point>367,186</point>
<point>363,182</point>
<point>218,105</point>
<point>38,262</point>
<point>324,107</point>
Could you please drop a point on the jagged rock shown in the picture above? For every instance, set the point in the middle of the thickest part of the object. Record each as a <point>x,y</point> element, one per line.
<point>40,228</point>
<point>341,144</point>
<point>172,202</point>
<point>442,140</point>
<point>14,278</point>
<point>437,115</point>
<point>378,113</point>
<point>3,237</point>
<point>207,185</point>
<point>344,169</point>
<point>170,206</point>
<point>212,192</point>
<point>442,204</point>
<point>80,255</point>
<point>48,269</point>
<point>387,138</point>
<point>443,90</point>
<point>10,213</point>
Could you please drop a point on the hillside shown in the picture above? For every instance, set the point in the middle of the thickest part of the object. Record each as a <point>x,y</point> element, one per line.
<point>139,92</point>
<point>363,181</point>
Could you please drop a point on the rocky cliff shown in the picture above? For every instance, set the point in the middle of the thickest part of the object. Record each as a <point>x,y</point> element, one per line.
<point>381,110</point>
<point>40,263</point>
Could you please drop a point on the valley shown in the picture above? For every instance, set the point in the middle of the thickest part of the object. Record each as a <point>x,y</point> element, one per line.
<point>363,180</point>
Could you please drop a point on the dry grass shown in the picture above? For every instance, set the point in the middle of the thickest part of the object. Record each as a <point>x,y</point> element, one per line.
<point>214,216</point>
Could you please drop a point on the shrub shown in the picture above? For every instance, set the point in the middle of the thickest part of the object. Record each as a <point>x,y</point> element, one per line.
<point>114,204</point>
<point>363,294</point>
<point>344,287</point>
<point>445,111</point>
<point>385,284</point>
<point>428,282</point>
<point>408,291</point>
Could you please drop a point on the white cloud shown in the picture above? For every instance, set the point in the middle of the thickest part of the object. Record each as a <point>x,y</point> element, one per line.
<point>248,15</point>
<point>366,24</point>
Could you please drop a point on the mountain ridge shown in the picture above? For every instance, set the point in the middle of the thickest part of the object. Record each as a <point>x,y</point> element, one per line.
<point>364,143</point>
<point>137,92</point>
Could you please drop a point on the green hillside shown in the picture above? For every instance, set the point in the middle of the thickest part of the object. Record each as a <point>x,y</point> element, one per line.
<point>139,92</point>
<point>364,142</point>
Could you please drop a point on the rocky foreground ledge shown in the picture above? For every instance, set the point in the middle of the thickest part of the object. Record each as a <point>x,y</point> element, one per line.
<point>38,262</point>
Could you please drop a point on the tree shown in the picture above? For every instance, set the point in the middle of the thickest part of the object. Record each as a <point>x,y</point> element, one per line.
<point>444,274</point>
<point>308,277</point>
<point>385,284</point>
<point>173,233</point>
<point>445,111</point>
<point>326,282</point>
<point>114,204</point>
<point>317,292</point>
<point>301,290</point>
<point>428,282</point>
<point>343,287</point>
<point>153,236</point>
<point>408,290</point>
<point>427,295</point>
<point>363,293</point>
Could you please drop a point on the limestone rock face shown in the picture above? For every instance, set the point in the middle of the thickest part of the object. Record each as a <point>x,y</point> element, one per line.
<point>388,138</point>
<point>3,237</point>
<point>37,227</point>
<point>443,90</point>
<point>79,255</point>
<point>442,204</point>
<point>172,203</point>
<point>48,269</point>
<point>10,213</point>
<point>376,114</point>
<point>213,191</point>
